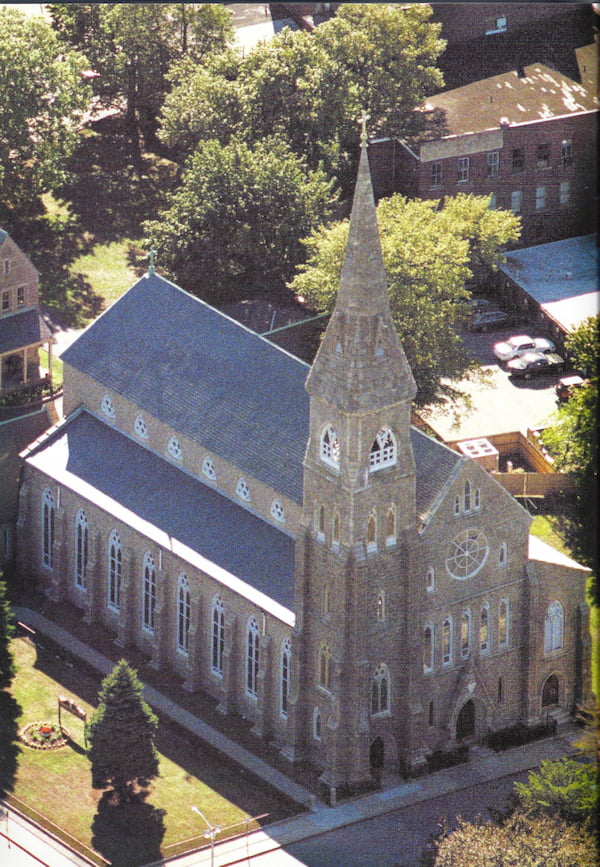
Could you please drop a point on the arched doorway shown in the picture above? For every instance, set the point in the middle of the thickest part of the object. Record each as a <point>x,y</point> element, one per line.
<point>376,757</point>
<point>465,723</point>
<point>550,691</point>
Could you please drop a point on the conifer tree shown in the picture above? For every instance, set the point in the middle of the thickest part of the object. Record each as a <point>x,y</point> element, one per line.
<point>121,733</point>
<point>7,666</point>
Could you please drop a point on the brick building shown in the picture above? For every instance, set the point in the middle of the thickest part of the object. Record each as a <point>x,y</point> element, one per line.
<point>282,539</point>
<point>528,141</point>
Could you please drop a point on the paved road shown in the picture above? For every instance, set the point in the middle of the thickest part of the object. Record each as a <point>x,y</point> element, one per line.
<point>23,844</point>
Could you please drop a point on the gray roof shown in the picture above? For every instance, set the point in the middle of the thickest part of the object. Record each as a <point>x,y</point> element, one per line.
<point>22,329</point>
<point>436,464</point>
<point>147,492</point>
<point>204,375</point>
<point>14,436</point>
<point>562,277</point>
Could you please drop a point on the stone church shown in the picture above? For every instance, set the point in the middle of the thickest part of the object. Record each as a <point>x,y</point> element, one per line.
<point>282,539</point>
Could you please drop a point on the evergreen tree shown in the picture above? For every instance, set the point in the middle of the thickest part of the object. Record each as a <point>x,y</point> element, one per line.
<point>121,734</point>
<point>7,666</point>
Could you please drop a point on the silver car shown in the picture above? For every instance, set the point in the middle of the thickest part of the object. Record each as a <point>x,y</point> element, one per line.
<point>519,345</point>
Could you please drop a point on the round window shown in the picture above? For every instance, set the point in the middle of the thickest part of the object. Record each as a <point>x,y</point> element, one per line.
<point>466,554</point>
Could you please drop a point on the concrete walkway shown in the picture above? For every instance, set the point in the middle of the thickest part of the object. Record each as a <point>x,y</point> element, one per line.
<point>484,766</point>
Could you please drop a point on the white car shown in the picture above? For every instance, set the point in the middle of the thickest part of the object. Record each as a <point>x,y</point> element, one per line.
<point>519,345</point>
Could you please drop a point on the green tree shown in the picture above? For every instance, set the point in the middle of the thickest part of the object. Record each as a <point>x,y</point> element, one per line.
<point>520,841</point>
<point>7,630</point>
<point>427,253</point>
<point>565,789</point>
<point>572,438</point>
<point>236,220</point>
<point>121,734</point>
<point>42,99</point>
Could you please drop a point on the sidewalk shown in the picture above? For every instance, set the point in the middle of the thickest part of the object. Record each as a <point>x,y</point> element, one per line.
<point>485,765</point>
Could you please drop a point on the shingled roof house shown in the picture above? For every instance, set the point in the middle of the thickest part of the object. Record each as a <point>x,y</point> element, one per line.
<point>282,539</point>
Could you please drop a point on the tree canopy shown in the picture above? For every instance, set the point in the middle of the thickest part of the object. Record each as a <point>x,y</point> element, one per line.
<point>121,734</point>
<point>427,254</point>
<point>236,220</point>
<point>42,99</point>
<point>566,789</point>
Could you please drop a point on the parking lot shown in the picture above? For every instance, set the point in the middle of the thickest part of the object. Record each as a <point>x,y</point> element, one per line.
<point>499,403</point>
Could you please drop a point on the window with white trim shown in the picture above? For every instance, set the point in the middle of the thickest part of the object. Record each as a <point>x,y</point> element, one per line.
<point>107,406</point>
<point>457,505</point>
<point>208,469</point>
<point>115,566</point>
<point>20,296</point>
<point>330,447</point>
<point>492,161</point>
<point>436,174</point>
<point>447,630</point>
<point>277,511</point>
<point>48,513</point>
<point>465,634</point>
<point>252,658</point>
<point>380,690</point>
<point>183,613</point>
<point>81,549</point>
<point>484,629</point>
<point>174,448</point>
<point>148,592</point>
<point>242,490</point>
<point>464,164</point>
<point>503,623</point>
<point>554,628</point>
<point>566,152</point>
<point>5,300</point>
<point>428,635</point>
<point>324,673</point>
<point>383,450</point>
<point>140,427</point>
<point>477,499</point>
<point>218,636</point>
<point>286,664</point>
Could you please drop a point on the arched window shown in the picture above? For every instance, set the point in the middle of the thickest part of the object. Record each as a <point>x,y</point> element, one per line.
<point>500,696</point>
<point>107,406</point>
<point>550,691</point>
<point>430,579</point>
<point>242,490</point>
<point>148,591</point>
<point>467,496</point>
<point>484,629</point>
<point>326,599</point>
<point>81,549</point>
<point>286,662</point>
<point>503,624</point>
<point>381,606</point>
<point>218,636</point>
<point>48,512</point>
<point>317,724</point>
<point>321,523</point>
<point>447,641</point>
<point>390,525</point>
<point>383,450</point>
<point>335,538</point>
<point>115,565</point>
<point>208,469</point>
<point>252,641</point>
<point>502,556</point>
<point>554,628</point>
<point>430,716</point>
<point>457,505</point>
<point>465,634</point>
<point>330,447</point>
<point>324,666</point>
<point>183,613</point>
<point>428,648</point>
<point>477,503</point>
<point>380,690</point>
<point>372,532</point>
<point>277,511</point>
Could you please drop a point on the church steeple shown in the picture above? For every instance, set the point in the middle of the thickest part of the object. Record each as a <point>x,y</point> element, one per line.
<point>361,363</point>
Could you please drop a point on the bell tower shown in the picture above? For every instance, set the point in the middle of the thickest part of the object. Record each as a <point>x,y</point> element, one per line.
<point>358,507</point>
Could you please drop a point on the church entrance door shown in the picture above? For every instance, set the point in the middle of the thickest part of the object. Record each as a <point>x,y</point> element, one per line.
<point>550,691</point>
<point>376,757</point>
<point>465,724</point>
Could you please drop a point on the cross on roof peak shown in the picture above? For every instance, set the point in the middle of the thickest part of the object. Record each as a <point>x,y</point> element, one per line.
<point>362,120</point>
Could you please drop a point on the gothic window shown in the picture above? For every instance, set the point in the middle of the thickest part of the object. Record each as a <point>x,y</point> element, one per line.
<point>81,549</point>
<point>380,606</point>
<point>503,625</point>
<point>447,641</point>
<point>467,496</point>
<point>502,556</point>
<point>428,648</point>
<point>430,579</point>
<point>466,554</point>
<point>554,628</point>
<point>324,666</point>
<point>208,469</point>
<point>326,600</point>
<point>500,694</point>
<point>383,450</point>
<point>550,692</point>
<point>465,634</point>
<point>252,641</point>
<point>457,505</point>
<point>484,629</point>
<point>107,406</point>
<point>390,525</point>
<point>380,690</point>
<point>372,533</point>
<point>148,591</point>
<point>477,499</point>
<point>317,724</point>
<point>183,613</point>
<point>140,427</point>
<point>277,511</point>
<point>174,449</point>
<point>242,490</point>
<point>335,538</point>
<point>286,662</point>
<point>48,511</point>
<point>115,565</point>
<point>330,447</point>
<point>321,523</point>
<point>218,636</point>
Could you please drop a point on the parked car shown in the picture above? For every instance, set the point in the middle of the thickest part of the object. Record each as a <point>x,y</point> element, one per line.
<point>490,319</point>
<point>567,385</point>
<point>481,305</point>
<point>520,344</point>
<point>534,363</point>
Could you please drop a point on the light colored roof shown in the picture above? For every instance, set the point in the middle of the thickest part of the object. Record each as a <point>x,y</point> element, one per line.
<point>541,94</point>
<point>540,550</point>
<point>562,277</point>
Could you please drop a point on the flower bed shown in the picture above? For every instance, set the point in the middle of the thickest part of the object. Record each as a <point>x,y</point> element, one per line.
<point>44,736</point>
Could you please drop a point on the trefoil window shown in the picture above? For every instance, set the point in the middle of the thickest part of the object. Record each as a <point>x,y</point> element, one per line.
<point>208,469</point>
<point>242,490</point>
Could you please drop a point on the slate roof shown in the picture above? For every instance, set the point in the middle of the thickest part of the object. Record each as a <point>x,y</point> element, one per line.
<point>436,465</point>
<point>175,510</point>
<point>14,436</point>
<point>204,375</point>
<point>22,329</point>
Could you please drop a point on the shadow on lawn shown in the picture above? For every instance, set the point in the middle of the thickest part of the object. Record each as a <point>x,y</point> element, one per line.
<point>128,834</point>
<point>10,710</point>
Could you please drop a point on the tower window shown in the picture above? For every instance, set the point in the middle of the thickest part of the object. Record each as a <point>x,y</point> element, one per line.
<point>335,539</point>
<point>390,525</point>
<point>380,607</point>
<point>325,667</point>
<point>321,523</point>
<point>380,690</point>
<point>428,648</point>
<point>430,579</point>
<point>317,724</point>
<point>383,450</point>
<point>372,533</point>
<point>330,447</point>
<point>326,600</point>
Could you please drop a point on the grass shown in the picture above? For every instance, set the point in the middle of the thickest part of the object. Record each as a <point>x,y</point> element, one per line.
<point>542,526</point>
<point>189,774</point>
<point>107,268</point>
<point>57,367</point>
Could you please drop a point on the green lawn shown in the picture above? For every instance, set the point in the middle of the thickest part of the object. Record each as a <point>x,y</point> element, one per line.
<point>543,528</point>
<point>107,268</point>
<point>57,783</point>
<point>57,367</point>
